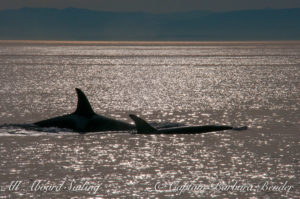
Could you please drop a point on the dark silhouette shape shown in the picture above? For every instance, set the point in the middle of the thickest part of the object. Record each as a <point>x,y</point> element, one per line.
<point>84,119</point>
<point>144,128</point>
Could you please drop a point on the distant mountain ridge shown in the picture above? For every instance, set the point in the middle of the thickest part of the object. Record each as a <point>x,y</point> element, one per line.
<point>82,24</point>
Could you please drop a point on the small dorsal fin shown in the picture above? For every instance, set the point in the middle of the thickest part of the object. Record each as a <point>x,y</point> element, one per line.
<point>83,105</point>
<point>141,125</point>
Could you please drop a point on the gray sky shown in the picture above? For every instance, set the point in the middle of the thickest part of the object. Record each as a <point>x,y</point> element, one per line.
<point>153,5</point>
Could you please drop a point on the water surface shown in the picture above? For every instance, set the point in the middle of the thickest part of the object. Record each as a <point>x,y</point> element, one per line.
<point>254,84</point>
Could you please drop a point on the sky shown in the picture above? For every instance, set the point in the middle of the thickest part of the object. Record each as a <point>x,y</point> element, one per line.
<point>154,6</point>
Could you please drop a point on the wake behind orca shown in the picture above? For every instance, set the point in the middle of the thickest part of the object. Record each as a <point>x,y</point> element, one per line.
<point>84,119</point>
<point>144,128</point>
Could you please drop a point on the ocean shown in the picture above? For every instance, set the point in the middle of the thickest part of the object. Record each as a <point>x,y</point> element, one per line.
<point>256,84</point>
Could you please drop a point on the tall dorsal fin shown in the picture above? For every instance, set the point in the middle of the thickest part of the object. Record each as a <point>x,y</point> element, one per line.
<point>83,105</point>
<point>141,125</point>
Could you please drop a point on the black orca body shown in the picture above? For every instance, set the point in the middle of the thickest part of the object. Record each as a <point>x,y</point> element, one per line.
<point>144,128</point>
<point>84,119</point>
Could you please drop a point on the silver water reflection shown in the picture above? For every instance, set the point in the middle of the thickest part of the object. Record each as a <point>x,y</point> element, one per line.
<point>249,84</point>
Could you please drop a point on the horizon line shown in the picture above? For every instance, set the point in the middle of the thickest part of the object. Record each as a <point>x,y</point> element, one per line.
<point>212,42</point>
<point>135,11</point>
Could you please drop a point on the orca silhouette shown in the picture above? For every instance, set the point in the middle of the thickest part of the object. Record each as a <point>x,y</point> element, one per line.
<point>84,119</point>
<point>144,128</point>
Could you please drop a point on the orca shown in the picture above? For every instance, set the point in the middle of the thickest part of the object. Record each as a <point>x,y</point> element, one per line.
<point>145,128</point>
<point>84,119</point>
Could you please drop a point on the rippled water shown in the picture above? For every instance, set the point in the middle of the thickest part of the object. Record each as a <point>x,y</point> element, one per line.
<point>253,84</point>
